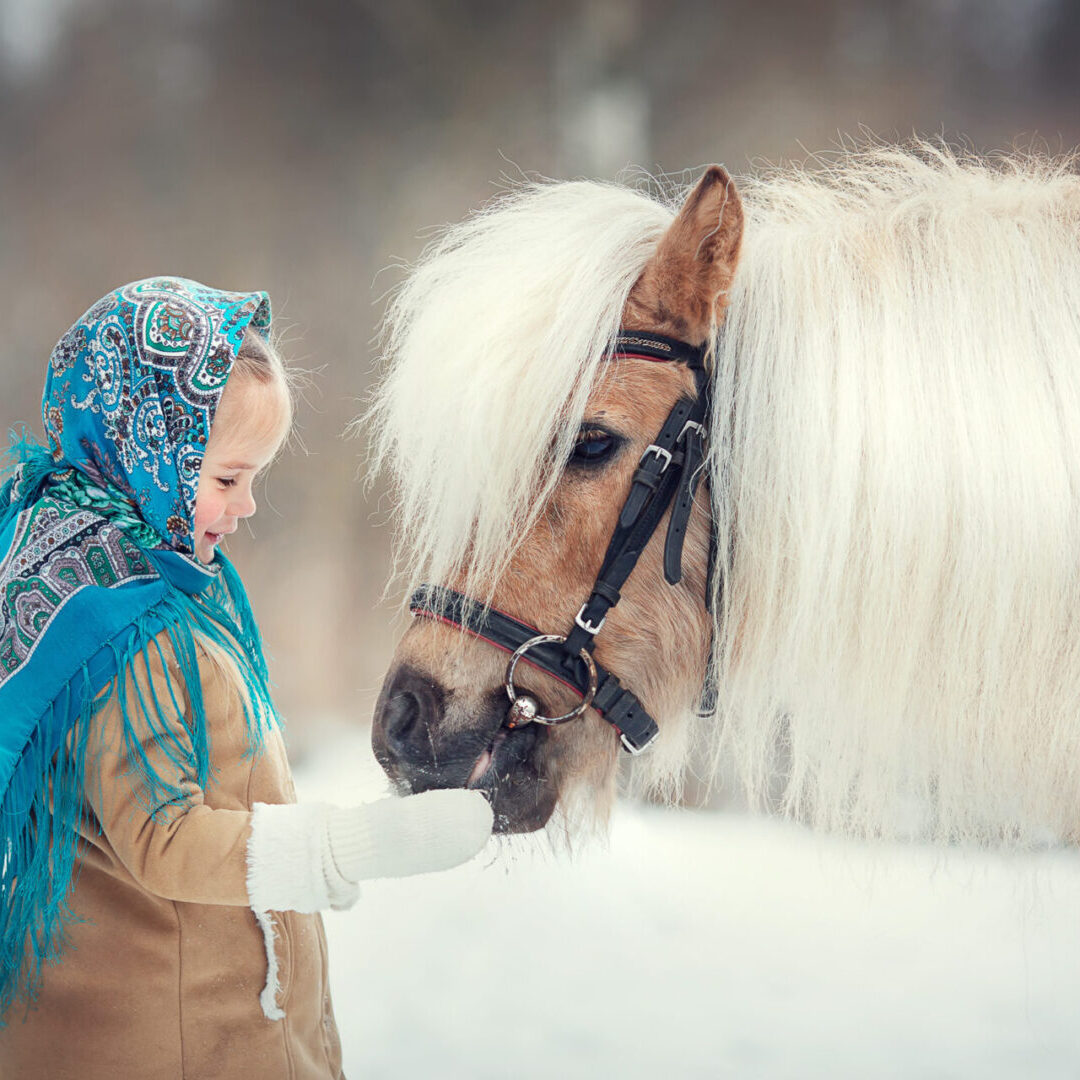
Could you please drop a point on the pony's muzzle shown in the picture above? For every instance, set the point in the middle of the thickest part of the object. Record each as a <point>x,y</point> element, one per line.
<point>406,715</point>
<point>426,736</point>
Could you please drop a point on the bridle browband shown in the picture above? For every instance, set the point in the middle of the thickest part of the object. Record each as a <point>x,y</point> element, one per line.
<point>667,476</point>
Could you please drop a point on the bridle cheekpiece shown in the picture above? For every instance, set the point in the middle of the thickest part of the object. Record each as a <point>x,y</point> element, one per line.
<point>667,476</point>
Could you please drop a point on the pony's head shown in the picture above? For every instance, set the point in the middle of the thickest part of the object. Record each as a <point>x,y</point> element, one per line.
<point>893,483</point>
<point>515,436</point>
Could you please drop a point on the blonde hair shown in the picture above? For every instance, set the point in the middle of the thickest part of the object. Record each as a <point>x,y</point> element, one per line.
<point>259,361</point>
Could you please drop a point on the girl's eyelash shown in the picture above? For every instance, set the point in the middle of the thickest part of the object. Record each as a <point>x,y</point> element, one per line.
<point>227,481</point>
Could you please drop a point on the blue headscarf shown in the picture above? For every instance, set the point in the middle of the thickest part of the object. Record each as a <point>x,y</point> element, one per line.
<point>96,536</point>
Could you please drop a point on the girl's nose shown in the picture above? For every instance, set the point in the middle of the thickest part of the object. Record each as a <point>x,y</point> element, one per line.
<point>243,506</point>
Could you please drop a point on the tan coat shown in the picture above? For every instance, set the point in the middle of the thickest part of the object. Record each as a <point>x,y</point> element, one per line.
<point>161,980</point>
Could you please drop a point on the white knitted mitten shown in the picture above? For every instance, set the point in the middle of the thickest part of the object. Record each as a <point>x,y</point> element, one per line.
<point>310,856</point>
<point>420,833</point>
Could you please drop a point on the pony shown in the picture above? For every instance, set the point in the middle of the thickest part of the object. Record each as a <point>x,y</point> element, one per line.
<point>889,644</point>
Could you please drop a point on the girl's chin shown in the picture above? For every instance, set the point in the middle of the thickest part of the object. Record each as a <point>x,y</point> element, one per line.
<point>206,546</point>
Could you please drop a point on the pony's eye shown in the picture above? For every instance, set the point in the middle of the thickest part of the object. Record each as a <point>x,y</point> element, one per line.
<point>593,446</point>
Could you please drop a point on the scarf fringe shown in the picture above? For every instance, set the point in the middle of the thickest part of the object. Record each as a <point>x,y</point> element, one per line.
<point>39,821</point>
<point>25,467</point>
<point>38,867</point>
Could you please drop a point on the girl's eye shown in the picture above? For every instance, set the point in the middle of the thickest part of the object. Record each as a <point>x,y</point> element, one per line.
<point>594,445</point>
<point>227,481</point>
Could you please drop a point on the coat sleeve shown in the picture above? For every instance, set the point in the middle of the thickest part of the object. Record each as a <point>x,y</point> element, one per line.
<point>178,847</point>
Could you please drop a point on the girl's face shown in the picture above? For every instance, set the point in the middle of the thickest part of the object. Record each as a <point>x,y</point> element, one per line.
<point>251,423</point>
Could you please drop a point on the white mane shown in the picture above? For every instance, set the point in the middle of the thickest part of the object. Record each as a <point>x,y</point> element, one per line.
<point>901,383</point>
<point>895,466</point>
<point>492,343</point>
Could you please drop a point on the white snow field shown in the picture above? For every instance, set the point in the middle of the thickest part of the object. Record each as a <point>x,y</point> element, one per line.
<point>705,944</point>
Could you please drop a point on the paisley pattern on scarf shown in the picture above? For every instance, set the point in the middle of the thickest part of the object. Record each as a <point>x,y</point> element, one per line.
<point>57,551</point>
<point>133,387</point>
<point>129,399</point>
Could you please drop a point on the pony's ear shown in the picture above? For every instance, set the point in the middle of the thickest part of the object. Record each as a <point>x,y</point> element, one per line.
<point>684,287</point>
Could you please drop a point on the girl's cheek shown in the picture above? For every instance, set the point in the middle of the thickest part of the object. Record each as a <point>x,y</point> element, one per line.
<point>204,513</point>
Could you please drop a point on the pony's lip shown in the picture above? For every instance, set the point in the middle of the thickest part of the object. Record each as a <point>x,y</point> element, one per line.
<point>508,750</point>
<point>485,763</point>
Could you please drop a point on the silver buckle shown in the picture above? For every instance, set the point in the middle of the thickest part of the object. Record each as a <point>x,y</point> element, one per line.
<point>660,452</point>
<point>691,425</point>
<point>585,624</point>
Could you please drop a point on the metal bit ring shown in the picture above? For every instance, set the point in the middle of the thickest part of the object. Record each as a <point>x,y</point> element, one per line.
<point>586,701</point>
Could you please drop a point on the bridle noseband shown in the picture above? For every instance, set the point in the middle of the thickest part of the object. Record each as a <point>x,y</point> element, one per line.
<point>667,476</point>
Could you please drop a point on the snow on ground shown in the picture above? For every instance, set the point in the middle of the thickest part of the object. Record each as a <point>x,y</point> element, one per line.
<point>701,944</point>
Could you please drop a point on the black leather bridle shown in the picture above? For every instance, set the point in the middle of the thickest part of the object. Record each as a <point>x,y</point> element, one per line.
<point>667,476</point>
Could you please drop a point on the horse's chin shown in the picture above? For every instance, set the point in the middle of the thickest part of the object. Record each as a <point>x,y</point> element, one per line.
<point>510,775</point>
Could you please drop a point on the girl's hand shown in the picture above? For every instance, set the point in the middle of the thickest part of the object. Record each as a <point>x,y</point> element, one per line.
<point>412,835</point>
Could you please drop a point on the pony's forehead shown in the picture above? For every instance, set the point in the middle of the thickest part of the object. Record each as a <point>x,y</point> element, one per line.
<point>629,393</point>
<point>513,308</point>
<point>491,347</point>
<point>543,257</point>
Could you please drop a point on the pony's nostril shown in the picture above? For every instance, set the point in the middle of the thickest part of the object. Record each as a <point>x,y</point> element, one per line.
<point>405,718</point>
<point>401,716</point>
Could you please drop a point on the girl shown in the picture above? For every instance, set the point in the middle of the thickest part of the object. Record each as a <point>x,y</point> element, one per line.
<point>151,843</point>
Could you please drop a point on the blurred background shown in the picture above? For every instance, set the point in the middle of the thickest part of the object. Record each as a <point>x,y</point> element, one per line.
<point>308,149</point>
